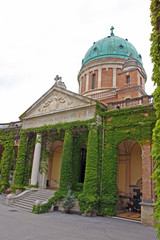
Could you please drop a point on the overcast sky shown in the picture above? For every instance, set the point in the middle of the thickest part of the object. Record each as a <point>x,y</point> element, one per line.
<point>42,38</point>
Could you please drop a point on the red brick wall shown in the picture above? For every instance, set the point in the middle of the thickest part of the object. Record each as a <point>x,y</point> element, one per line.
<point>121,80</point>
<point>105,101</point>
<point>136,79</point>
<point>128,94</point>
<point>105,60</point>
<point>107,77</point>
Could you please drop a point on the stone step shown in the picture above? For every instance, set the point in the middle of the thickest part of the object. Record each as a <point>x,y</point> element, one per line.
<point>22,204</point>
<point>28,200</point>
<point>34,198</point>
<point>26,203</point>
<point>37,197</point>
<point>31,201</point>
<point>43,194</point>
<point>21,209</point>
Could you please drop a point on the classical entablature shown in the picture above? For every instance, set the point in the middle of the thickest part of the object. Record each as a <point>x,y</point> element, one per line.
<point>58,105</point>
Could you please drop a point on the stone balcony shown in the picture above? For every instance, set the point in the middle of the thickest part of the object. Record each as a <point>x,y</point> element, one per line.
<point>134,102</point>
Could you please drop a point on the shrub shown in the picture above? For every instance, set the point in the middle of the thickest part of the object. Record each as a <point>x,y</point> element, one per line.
<point>68,201</point>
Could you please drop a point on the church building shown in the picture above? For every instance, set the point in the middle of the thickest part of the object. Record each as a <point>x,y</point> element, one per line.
<point>98,142</point>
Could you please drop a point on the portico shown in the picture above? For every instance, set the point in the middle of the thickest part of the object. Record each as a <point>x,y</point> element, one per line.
<point>58,105</point>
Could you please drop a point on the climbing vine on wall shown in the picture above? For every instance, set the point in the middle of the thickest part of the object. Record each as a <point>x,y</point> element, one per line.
<point>8,158</point>
<point>20,164</point>
<point>80,140</point>
<point>25,152</point>
<point>45,154</point>
<point>132,123</point>
<point>155,55</point>
<point>66,165</point>
<point>100,185</point>
<point>88,200</point>
<point>28,158</point>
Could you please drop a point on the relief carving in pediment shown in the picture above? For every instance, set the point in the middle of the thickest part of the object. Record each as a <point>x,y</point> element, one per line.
<point>54,102</point>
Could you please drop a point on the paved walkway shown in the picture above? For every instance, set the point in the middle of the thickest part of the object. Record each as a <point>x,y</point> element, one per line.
<point>18,225</point>
<point>2,198</point>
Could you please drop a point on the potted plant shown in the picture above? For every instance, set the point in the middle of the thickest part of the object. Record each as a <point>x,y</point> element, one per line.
<point>68,202</point>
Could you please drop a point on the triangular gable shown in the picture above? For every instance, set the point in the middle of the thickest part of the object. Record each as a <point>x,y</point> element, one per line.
<point>57,99</point>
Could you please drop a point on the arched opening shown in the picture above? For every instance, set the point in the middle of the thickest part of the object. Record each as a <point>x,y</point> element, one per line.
<point>129,179</point>
<point>82,165</point>
<point>54,166</point>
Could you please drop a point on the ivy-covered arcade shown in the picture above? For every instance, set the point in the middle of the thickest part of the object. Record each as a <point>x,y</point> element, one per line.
<point>100,136</point>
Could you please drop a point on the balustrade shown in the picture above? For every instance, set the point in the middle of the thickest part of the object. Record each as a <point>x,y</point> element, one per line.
<point>144,100</point>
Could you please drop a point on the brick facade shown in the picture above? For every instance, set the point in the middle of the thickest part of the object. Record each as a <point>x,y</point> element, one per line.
<point>111,75</point>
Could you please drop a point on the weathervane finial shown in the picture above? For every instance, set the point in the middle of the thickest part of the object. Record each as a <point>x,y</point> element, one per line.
<point>112,28</point>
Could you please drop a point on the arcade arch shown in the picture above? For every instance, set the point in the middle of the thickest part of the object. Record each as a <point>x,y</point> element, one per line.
<point>54,166</point>
<point>129,179</point>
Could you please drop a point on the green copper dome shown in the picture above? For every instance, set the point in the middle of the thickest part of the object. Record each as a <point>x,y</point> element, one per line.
<point>111,47</point>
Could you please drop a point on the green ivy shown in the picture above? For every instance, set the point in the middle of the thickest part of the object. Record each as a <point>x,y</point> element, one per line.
<point>100,185</point>
<point>66,165</point>
<point>132,123</point>
<point>20,164</point>
<point>155,55</point>
<point>45,154</point>
<point>28,159</point>
<point>80,140</point>
<point>59,195</point>
<point>90,183</point>
<point>27,142</point>
<point>7,160</point>
<point>88,200</point>
<point>61,126</point>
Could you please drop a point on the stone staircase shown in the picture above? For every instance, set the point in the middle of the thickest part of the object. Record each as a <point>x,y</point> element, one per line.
<point>26,203</point>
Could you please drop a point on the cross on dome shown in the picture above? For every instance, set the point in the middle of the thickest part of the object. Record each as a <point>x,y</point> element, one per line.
<point>112,28</point>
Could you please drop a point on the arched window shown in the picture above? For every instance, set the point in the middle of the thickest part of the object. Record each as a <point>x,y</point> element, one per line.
<point>128,81</point>
<point>94,81</point>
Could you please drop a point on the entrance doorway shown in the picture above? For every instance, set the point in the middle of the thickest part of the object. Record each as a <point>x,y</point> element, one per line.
<point>55,167</point>
<point>129,180</point>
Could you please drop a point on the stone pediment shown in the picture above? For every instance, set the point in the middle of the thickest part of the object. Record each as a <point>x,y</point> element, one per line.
<point>57,100</point>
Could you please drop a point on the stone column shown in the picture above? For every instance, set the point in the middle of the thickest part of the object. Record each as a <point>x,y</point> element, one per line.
<point>127,174</point>
<point>80,84</point>
<point>114,77</point>
<point>87,81</point>
<point>99,77</point>
<point>147,205</point>
<point>42,180</point>
<point>36,160</point>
